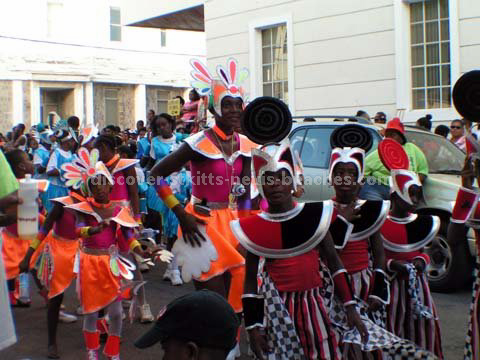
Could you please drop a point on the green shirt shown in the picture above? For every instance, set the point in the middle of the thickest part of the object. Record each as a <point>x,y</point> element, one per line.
<point>375,168</point>
<point>8,182</point>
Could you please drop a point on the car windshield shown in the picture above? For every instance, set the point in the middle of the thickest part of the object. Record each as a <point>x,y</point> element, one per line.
<point>443,157</point>
<point>312,143</point>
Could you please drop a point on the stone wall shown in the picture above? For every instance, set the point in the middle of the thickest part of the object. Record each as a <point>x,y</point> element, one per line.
<point>27,104</point>
<point>152,96</point>
<point>126,105</point>
<point>6,105</point>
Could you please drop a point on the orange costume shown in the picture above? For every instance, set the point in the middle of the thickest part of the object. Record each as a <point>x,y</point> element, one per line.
<point>14,248</point>
<point>62,243</point>
<point>100,266</point>
<point>213,182</point>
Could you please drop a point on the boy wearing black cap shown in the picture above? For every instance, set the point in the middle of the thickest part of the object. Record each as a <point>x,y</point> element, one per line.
<point>200,325</point>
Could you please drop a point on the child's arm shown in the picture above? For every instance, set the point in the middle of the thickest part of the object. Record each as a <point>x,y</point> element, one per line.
<point>343,287</point>
<point>132,188</point>
<point>52,165</point>
<point>379,287</point>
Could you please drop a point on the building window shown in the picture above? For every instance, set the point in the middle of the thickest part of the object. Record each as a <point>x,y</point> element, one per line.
<point>430,51</point>
<point>163,38</point>
<point>54,19</point>
<point>162,101</point>
<point>115,24</point>
<point>111,106</point>
<point>275,62</point>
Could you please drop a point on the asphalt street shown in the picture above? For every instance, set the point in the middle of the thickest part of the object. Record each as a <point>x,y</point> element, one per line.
<point>32,338</point>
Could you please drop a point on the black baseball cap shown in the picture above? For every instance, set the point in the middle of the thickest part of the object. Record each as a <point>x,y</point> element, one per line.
<point>203,317</point>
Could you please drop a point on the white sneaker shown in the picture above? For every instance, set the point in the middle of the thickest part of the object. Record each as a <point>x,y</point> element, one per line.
<point>146,314</point>
<point>92,355</point>
<point>66,318</point>
<point>175,278</point>
<point>167,274</point>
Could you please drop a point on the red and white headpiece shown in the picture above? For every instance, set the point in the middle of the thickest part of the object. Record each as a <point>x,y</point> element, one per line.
<point>229,83</point>
<point>400,182</point>
<point>394,158</point>
<point>355,156</point>
<point>274,157</point>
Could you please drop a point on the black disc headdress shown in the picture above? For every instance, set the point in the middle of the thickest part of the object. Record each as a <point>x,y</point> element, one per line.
<point>351,136</point>
<point>266,120</point>
<point>466,95</point>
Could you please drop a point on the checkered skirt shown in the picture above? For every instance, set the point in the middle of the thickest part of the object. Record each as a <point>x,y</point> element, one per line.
<point>402,321</point>
<point>298,325</point>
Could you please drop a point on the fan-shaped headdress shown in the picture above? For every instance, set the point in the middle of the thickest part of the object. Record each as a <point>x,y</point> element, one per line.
<point>229,83</point>
<point>83,168</point>
<point>88,133</point>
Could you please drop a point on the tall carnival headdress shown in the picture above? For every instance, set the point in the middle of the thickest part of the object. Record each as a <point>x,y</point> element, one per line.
<point>349,144</point>
<point>395,159</point>
<point>83,168</point>
<point>268,121</point>
<point>228,84</point>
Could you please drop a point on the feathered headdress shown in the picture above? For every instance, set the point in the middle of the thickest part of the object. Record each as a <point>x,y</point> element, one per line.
<point>229,83</point>
<point>83,168</point>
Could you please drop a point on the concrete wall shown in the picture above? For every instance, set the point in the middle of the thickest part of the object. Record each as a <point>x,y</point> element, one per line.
<point>81,52</point>
<point>345,55</point>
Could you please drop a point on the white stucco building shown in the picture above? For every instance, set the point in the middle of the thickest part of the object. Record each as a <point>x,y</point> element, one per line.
<point>336,57</point>
<point>79,58</point>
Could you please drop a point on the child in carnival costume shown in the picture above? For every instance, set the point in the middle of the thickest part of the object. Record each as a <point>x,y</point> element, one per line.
<point>14,248</point>
<point>166,140</point>
<point>124,193</point>
<point>102,225</point>
<point>61,155</point>
<point>362,253</point>
<point>60,244</point>
<point>41,155</point>
<point>411,313</point>
<point>290,237</point>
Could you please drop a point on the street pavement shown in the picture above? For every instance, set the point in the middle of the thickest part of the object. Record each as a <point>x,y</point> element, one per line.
<point>32,328</point>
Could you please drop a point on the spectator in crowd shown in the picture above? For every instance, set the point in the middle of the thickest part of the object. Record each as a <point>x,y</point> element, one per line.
<point>442,130</point>
<point>140,125</point>
<point>74,123</point>
<point>150,117</point>
<point>190,110</point>
<point>363,114</point>
<point>377,175</point>
<point>19,140</point>
<point>197,326</point>
<point>380,118</point>
<point>425,122</point>
<point>457,131</point>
